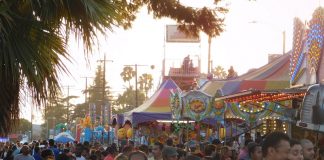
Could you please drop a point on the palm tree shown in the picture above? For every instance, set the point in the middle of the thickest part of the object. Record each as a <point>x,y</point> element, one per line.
<point>219,72</point>
<point>33,37</point>
<point>127,74</point>
<point>146,83</point>
<point>33,44</point>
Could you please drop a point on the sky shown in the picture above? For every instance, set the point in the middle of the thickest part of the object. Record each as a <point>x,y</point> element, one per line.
<point>253,29</point>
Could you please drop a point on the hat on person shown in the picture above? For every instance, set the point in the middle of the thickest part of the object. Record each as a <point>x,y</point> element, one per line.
<point>169,151</point>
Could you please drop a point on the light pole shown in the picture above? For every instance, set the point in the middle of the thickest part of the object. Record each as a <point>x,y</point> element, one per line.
<point>283,36</point>
<point>136,94</point>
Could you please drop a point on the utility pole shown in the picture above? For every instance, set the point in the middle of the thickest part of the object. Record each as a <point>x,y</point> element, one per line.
<point>67,103</point>
<point>104,86</point>
<point>209,50</point>
<point>68,106</point>
<point>86,89</point>
<point>136,94</point>
<point>103,96</point>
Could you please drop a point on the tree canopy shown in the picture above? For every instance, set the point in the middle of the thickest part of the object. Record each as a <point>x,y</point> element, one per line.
<point>33,36</point>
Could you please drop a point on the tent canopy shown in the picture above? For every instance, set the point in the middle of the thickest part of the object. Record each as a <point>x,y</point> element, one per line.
<point>157,107</point>
<point>274,75</point>
<point>63,137</point>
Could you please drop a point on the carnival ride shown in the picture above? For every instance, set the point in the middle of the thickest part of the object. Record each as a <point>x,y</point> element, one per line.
<point>307,69</point>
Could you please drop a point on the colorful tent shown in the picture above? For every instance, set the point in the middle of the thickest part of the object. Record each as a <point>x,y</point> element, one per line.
<point>274,75</point>
<point>155,108</point>
<point>63,137</point>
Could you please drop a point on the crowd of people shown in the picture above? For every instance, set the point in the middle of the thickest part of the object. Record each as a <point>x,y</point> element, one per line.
<point>275,146</point>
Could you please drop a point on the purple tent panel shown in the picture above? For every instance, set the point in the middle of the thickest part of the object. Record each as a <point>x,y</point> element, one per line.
<point>140,117</point>
<point>231,87</point>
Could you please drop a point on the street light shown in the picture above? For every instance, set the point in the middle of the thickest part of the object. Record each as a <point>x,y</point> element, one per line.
<point>136,95</point>
<point>283,36</point>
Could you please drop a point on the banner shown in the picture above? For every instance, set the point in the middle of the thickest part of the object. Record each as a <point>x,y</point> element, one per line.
<point>107,114</point>
<point>175,35</point>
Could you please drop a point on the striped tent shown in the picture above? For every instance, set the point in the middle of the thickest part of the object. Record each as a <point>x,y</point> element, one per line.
<point>157,107</point>
<point>274,75</point>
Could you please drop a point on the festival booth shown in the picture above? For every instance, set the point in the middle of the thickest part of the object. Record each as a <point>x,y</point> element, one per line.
<point>263,111</point>
<point>242,116</point>
<point>199,107</point>
<point>209,105</point>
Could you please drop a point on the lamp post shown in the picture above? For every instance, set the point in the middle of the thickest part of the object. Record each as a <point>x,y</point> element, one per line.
<point>283,36</point>
<point>136,94</point>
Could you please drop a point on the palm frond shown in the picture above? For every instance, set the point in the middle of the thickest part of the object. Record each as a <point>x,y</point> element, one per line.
<point>31,55</point>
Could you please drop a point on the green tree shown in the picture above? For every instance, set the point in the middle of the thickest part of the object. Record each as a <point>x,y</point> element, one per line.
<point>33,37</point>
<point>231,73</point>
<point>127,100</point>
<point>55,112</point>
<point>23,126</point>
<point>145,83</point>
<point>96,91</point>
<point>219,72</point>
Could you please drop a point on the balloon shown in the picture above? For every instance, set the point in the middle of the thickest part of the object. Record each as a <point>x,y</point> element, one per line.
<point>129,133</point>
<point>121,134</point>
